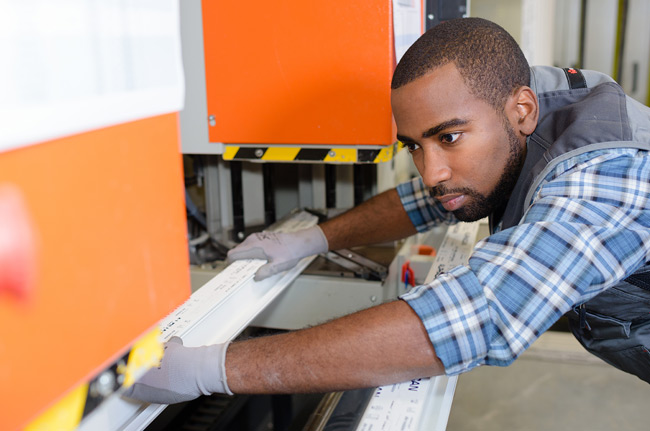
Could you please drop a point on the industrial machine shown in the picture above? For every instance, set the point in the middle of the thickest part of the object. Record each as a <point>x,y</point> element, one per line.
<point>296,115</point>
<point>286,120</point>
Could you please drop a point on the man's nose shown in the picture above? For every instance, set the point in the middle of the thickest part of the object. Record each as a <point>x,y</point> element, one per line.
<point>434,170</point>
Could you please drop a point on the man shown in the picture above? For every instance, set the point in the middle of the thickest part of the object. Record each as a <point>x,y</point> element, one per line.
<point>558,159</point>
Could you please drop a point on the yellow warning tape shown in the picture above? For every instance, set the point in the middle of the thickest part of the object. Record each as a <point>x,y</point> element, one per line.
<point>146,352</point>
<point>385,155</point>
<point>65,415</point>
<point>340,154</point>
<point>280,154</point>
<point>230,152</point>
<point>69,411</point>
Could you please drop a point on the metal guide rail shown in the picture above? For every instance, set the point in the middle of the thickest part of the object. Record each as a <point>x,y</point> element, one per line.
<point>215,313</point>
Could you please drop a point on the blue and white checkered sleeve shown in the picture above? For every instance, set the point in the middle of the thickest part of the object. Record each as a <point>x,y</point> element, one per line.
<point>588,228</point>
<point>422,209</point>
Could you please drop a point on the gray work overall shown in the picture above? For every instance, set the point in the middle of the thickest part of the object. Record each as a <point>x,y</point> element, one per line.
<point>614,325</point>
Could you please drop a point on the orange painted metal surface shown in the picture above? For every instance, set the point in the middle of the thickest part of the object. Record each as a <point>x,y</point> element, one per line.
<point>299,72</point>
<point>107,215</point>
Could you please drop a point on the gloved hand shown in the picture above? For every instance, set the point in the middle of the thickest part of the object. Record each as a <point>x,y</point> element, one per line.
<point>281,250</point>
<point>185,373</point>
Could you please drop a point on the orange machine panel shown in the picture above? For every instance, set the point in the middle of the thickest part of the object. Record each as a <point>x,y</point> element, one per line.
<point>299,72</point>
<point>104,233</point>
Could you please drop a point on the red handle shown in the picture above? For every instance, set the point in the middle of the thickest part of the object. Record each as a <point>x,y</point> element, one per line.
<point>17,250</point>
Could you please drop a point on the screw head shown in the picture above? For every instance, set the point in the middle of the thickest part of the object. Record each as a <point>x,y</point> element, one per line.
<point>212,120</point>
<point>104,384</point>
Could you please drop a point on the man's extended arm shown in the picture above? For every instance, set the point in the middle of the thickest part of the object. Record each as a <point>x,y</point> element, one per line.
<point>381,218</point>
<point>380,345</point>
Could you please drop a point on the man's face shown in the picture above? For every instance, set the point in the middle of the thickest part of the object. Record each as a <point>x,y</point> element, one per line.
<point>467,153</point>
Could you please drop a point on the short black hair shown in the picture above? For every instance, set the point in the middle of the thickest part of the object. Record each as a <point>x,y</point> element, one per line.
<point>487,57</point>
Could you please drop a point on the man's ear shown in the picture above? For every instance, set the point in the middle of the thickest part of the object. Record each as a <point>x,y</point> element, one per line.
<point>526,107</point>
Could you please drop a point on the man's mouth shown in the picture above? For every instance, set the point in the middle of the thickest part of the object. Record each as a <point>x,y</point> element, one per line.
<point>451,202</point>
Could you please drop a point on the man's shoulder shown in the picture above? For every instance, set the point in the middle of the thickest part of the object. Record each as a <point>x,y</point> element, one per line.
<point>547,79</point>
<point>623,160</point>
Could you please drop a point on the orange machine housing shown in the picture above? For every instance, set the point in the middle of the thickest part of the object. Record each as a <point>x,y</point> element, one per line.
<point>109,257</point>
<point>299,72</point>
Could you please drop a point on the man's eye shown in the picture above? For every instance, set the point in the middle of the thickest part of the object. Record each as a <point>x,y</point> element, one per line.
<point>449,138</point>
<point>411,146</point>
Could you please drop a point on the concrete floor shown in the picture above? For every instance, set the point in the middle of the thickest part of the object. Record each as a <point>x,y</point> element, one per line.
<point>555,385</point>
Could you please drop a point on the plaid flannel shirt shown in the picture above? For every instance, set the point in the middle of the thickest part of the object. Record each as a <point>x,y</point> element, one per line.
<point>587,228</point>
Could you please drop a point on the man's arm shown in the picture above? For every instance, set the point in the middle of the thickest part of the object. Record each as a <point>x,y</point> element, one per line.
<point>381,345</point>
<point>380,218</point>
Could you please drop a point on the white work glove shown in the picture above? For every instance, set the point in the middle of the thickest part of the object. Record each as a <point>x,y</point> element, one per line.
<point>281,250</point>
<point>185,373</point>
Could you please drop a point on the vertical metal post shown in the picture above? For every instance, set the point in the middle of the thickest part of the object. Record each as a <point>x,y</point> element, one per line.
<point>583,29</point>
<point>212,197</point>
<point>537,23</point>
<point>237,201</point>
<point>305,194</point>
<point>621,24</point>
<point>359,182</point>
<point>330,186</point>
<point>269,197</point>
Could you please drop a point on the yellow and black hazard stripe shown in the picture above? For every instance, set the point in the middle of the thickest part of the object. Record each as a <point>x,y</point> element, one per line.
<point>342,154</point>
<point>69,411</point>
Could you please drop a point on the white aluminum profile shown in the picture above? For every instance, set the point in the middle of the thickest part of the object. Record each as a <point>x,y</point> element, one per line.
<point>423,404</point>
